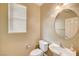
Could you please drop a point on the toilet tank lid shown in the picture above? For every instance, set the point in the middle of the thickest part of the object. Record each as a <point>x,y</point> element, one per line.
<point>42,41</point>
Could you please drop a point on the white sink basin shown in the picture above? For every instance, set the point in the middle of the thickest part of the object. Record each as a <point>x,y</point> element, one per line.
<point>54,48</point>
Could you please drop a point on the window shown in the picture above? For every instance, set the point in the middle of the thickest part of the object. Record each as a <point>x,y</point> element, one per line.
<point>16,18</point>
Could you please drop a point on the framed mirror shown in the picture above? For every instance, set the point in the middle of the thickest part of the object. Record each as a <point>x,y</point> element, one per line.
<point>66,24</point>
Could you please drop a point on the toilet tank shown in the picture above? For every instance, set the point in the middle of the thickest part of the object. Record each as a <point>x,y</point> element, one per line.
<point>43,45</point>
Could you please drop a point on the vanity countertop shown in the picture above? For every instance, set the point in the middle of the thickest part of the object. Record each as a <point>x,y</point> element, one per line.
<point>61,51</point>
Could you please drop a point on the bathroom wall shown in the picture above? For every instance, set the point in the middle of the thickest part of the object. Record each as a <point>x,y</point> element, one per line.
<point>48,14</point>
<point>15,43</point>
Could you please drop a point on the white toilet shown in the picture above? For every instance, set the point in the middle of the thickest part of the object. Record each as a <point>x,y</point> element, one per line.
<point>43,47</point>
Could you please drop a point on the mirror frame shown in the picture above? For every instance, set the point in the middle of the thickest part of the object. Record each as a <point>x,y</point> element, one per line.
<point>55,21</point>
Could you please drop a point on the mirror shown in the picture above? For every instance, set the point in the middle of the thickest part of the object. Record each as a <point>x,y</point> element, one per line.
<point>66,24</point>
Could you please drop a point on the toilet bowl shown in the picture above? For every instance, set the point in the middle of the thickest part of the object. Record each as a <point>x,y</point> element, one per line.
<point>43,47</point>
<point>37,52</point>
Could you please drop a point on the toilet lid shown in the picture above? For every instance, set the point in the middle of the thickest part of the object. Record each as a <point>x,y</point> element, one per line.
<point>36,52</point>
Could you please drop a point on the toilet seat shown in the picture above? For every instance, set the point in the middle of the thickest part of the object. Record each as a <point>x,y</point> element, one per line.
<point>37,52</point>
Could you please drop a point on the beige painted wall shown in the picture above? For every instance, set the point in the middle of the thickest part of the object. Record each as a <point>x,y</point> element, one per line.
<point>14,44</point>
<point>48,14</point>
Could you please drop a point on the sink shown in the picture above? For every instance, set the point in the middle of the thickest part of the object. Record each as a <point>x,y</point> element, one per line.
<point>58,50</point>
